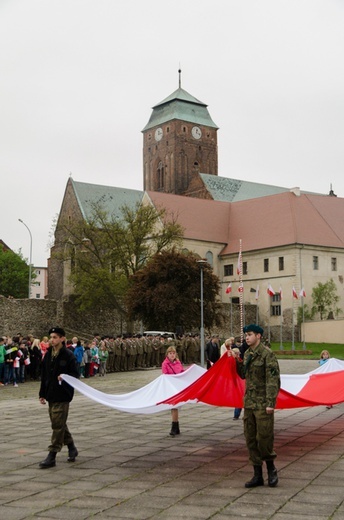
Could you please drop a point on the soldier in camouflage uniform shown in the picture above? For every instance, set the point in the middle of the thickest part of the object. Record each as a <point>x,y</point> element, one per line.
<point>261,371</point>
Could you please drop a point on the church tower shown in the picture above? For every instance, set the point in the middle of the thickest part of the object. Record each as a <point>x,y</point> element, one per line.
<point>179,142</point>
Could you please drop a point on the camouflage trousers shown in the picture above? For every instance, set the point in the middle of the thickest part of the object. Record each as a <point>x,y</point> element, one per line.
<point>259,435</point>
<point>58,413</point>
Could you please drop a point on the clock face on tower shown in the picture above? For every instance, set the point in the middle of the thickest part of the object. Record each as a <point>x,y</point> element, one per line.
<point>158,134</point>
<point>196,132</point>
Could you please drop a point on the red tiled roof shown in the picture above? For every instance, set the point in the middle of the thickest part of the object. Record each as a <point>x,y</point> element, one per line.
<point>265,222</point>
<point>202,219</point>
<point>282,219</point>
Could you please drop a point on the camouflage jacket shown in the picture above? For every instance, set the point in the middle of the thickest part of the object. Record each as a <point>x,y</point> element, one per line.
<point>261,370</point>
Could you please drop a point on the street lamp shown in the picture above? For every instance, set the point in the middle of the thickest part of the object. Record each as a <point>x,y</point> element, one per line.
<point>30,261</point>
<point>201,264</point>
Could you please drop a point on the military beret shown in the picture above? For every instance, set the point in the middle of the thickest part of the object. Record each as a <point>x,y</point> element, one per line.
<point>253,328</point>
<point>57,330</point>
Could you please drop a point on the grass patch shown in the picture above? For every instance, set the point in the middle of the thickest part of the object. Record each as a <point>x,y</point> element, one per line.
<point>336,350</point>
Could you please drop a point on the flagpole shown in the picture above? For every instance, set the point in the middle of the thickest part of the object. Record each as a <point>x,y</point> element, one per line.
<point>281,322</point>
<point>231,310</point>
<point>292,326</point>
<point>241,293</point>
<point>269,315</point>
<point>257,305</point>
<point>303,309</point>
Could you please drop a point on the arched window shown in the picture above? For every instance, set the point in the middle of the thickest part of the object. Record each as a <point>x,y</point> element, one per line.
<point>160,176</point>
<point>209,257</point>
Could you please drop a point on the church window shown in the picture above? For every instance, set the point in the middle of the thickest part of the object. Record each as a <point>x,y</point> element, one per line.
<point>167,129</point>
<point>184,129</point>
<point>315,263</point>
<point>160,176</point>
<point>266,265</point>
<point>209,257</point>
<point>149,137</point>
<point>244,268</point>
<point>281,263</point>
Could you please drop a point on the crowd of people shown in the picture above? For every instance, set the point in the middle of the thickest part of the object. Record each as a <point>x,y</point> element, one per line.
<point>21,357</point>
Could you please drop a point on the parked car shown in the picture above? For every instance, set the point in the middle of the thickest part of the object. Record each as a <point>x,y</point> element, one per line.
<point>160,333</point>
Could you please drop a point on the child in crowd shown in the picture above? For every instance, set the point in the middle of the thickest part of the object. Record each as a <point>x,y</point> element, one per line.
<point>324,356</point>
<point>171,365</point>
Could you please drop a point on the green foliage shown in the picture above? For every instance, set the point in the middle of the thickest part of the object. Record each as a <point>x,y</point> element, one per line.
<point>325,299</point>
<point>166,292</point>
<point>14,274</point>
<point>304,314</point>
<point>105,251</point>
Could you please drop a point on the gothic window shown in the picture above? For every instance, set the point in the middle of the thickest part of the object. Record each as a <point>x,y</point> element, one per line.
<point>160,176</point>
<point>266,265</point>
<point>281,263</point>
<point>315,263</point>
<point>333,264</point>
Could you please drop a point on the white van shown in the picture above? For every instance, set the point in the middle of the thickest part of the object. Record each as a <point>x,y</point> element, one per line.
<point>159,333</point>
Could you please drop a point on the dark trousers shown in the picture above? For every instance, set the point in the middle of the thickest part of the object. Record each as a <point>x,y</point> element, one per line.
<point>58,413</point>
<point>259,435</point>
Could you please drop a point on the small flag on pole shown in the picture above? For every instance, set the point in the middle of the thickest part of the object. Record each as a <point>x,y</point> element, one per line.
<point>241,288</point>
<point>302,293</point>
<point>229,288</point>
<point>295,294</point>
<point>270,291</point>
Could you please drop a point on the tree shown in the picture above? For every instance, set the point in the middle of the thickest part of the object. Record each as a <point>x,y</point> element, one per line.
<point>104,251</point>
<point>14,274</point>
<point>325,299</point>
<point>166,292</point>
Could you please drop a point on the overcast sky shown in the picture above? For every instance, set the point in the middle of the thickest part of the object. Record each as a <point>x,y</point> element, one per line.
<point>78,79</point>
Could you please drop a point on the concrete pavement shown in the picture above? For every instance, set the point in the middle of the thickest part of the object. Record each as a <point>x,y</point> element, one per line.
<point>130,468</point>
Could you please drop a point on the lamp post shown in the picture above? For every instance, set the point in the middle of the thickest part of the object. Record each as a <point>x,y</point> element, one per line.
<point>201,264</point>
<point>30,260</point>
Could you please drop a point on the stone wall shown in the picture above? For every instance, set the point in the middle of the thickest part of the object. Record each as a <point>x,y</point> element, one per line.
<point>37,316</point>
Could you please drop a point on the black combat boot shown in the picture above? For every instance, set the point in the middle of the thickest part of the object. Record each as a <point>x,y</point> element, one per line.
<point>49,461</point>
<point>175,429</point>
<point>72,452</point>
<point>272,473</point>
<point>257,479</point>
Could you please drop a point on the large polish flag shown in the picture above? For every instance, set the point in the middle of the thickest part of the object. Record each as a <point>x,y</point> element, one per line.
<point>221,386</point>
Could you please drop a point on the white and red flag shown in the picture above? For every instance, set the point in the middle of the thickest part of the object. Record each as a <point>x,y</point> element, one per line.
<point>241,288</point>
<point>270,290</point>
<point>229,288</point>
<point>302,293</point>
<point>295,294</point>
<point>257,292</point>
<point>239,263</point>
<point>280,292</point>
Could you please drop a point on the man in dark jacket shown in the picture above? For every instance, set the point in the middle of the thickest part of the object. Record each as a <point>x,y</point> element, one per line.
<point>58,360</point>
<point>212,351</point>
